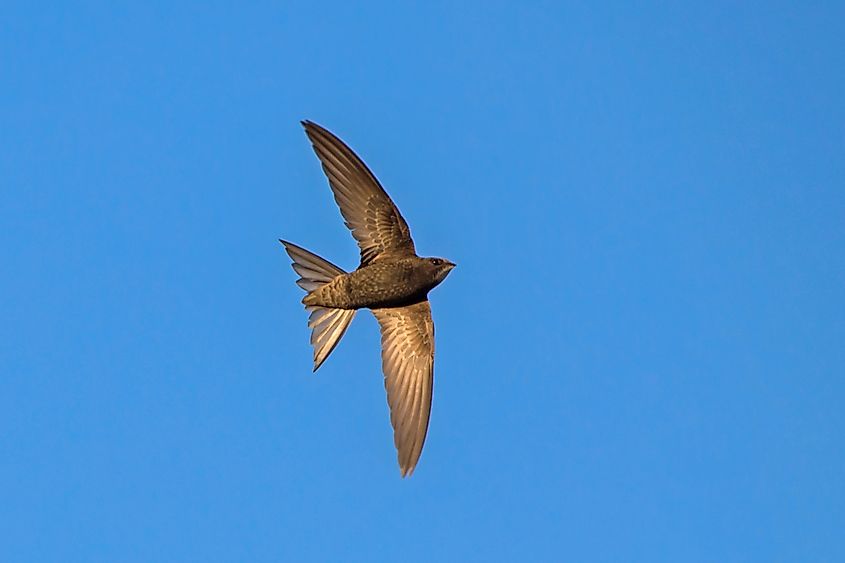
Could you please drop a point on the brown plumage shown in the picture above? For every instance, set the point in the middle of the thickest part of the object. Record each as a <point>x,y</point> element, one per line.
<point>391,280</point>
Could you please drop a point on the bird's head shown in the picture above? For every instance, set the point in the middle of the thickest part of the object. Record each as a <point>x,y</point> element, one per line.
<point>441,268</point>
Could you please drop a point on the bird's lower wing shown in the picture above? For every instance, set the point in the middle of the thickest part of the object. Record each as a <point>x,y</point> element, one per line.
<point>407,341</point>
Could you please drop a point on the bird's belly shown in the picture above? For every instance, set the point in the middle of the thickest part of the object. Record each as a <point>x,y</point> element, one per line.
<point>374,286</point>
<point>383,288</point>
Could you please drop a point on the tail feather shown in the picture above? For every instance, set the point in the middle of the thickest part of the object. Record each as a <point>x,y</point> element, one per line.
<point>328,325</point>
<point>313,270</point>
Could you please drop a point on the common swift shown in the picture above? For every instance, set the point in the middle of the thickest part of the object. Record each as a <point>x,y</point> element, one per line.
<point>391,280</point>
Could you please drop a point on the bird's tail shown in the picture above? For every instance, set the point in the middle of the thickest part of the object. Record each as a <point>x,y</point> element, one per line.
<point>328,325</point>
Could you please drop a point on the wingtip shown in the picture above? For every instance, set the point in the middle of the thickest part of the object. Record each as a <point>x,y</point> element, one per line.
<point>314,130</point>
<point>319,361</point>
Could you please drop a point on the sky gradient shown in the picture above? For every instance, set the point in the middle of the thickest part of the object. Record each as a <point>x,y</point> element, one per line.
<point>639,357</point>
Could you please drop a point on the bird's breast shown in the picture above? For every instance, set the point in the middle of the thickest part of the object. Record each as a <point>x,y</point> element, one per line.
<point>385,284</point>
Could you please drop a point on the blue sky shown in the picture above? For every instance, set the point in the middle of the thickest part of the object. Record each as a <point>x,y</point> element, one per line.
<point>639,357</point>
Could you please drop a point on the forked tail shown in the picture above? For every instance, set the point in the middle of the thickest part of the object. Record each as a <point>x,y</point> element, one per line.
<point>327,325</point>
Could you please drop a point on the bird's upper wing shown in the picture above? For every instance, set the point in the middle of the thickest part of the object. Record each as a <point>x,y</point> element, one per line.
<point>369,213</point>
<point>407,352</point>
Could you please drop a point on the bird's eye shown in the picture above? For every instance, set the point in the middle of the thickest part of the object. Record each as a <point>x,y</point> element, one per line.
<point>436,261</point>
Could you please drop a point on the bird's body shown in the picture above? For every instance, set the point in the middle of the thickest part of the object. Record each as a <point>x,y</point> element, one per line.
<point>391,280</point>
<point>387,283</point>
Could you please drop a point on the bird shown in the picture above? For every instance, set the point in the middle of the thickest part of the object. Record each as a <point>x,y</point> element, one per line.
<point>391,280</point>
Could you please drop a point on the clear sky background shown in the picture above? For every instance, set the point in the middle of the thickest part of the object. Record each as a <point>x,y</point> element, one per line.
<point>639,357</point>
